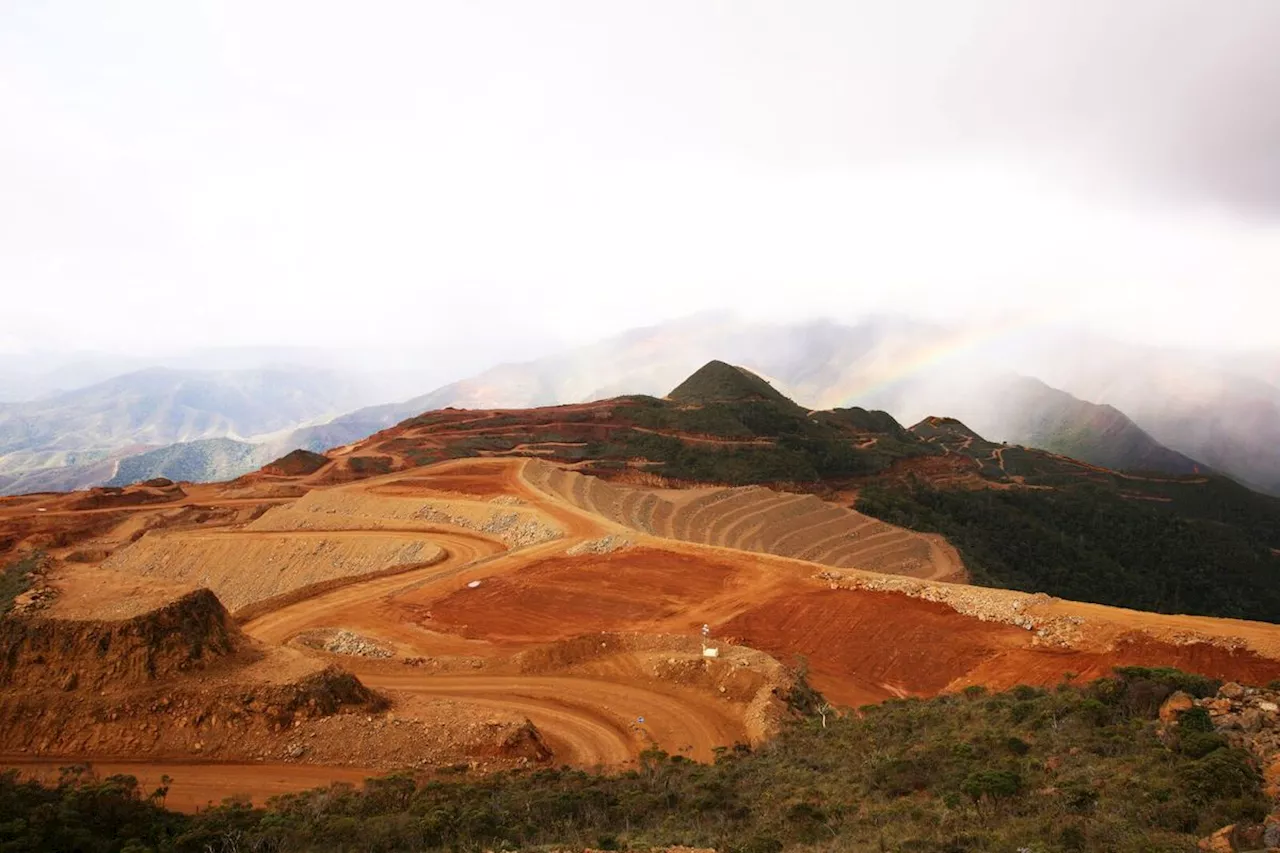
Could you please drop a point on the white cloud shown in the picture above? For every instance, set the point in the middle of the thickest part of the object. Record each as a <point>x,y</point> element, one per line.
<point>178,174</point>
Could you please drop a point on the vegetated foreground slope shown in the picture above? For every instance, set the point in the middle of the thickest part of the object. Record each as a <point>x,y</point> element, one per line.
<point>1098,767</point>
<point>1197,544</point>
<point>549,633</point>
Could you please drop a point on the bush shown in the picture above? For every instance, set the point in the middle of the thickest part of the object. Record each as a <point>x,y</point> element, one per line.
<point>1222,773</point>
<point>1195,720</point>
<point>1195,744</point>
<point>992,784</point>
<point>1017,746</point>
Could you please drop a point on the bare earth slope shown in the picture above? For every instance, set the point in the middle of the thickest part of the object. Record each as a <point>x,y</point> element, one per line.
<point>755,518</point>
<point>497,612</point>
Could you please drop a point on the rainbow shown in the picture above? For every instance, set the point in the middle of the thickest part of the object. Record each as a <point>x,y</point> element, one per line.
<point>855,386</point>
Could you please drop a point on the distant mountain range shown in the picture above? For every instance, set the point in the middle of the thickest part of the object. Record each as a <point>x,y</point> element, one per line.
<point>1116,405</point>
<point>883,364</point>
<point>84,437</point>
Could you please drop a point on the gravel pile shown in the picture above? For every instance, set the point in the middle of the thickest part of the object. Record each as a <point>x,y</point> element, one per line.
<point>986,605</point>
<point>512,528</point>
<point>604,545</point>
<point>347,643</point>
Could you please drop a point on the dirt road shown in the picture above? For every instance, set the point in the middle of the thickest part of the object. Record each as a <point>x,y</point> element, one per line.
<point>196,785</point>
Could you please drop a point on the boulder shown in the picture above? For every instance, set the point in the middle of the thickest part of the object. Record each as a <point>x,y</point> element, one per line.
<point>1219,842</point>
<point>1231,690</point>
<point>1175,705</point>
<point>1252,720</point>
<point>1236,838</point>
<point>1271,777</point>
<point>1271,831</point>
<point>1248,836</point>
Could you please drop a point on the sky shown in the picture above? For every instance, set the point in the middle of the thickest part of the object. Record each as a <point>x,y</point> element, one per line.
<point>503,177</point>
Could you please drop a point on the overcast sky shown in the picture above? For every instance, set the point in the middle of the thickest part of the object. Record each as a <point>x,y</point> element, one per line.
<point>501,174</point>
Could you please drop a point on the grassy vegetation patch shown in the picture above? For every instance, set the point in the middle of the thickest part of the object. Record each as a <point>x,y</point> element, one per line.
<point>1075,768</point>
<point>370,465</point>
<point>16,578</point>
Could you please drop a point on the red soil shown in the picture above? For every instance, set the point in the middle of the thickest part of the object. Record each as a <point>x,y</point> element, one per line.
<point>866,646</point>
<point>561,597</point>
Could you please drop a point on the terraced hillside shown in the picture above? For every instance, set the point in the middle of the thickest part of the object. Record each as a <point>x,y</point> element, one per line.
<point>560,624</point>
<point>755,518</point>
<point>1020,518</point>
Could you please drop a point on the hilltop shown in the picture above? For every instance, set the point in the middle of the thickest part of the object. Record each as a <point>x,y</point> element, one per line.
<point>1028,412</point>
<point>717,382</point>
<point>1198,543</point>
<point>1181,405</point>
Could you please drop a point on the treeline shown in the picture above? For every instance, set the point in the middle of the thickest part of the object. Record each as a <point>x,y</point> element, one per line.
<point>1089,543</point>
<point>1069,769</point>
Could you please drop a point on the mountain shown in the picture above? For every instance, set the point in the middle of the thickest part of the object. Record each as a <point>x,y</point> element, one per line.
<point>1025,411</point>
<point>1041,416</point>
<point>1223,411</point>
<point>204,461</point>
<point>717,382</point>
<point>1021,518</point>
<point>882,363</point>
<point>75,439</point>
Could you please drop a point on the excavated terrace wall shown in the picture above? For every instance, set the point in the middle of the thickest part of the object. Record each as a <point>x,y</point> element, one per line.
<point>755,518</point>
<point>186,634</point>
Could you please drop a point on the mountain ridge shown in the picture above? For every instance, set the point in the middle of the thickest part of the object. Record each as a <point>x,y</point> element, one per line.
<point>1022,518</point>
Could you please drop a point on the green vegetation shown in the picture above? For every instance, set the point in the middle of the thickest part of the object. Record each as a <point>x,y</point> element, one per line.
<point>793,445</point>
<point>1088,543</point>
<point>717,382</point>
<point>1078,768</point>
<point>299,462</point>
<point>370,465</point>
<point>15,578</point>
<point>201,461</point>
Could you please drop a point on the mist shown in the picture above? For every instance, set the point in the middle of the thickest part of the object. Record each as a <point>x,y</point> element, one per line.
<point>466,184</point>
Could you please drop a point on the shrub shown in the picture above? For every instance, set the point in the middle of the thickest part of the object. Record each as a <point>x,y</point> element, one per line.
<point>16,578</point>
<point>1017,746</point>
<point>1196,744</point>
<point>992,784</point>
<point>1195,720</point>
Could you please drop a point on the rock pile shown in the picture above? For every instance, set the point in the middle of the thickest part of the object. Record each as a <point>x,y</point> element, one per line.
<point>347,643</point>
<point>1249,717</point>
<point>604,545</point>
<point>984,604</point>
<point>34,600</point>
<point>513,528</point>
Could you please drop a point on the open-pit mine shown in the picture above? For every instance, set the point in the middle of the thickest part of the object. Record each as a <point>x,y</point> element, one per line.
<point>302,625</point>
